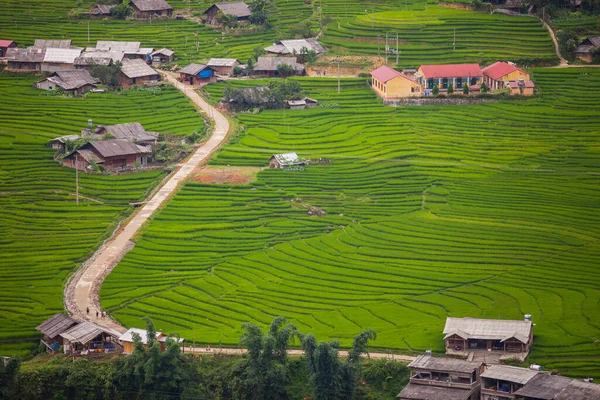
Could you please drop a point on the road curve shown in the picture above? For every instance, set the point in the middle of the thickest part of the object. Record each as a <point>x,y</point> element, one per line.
<point>83,289</point>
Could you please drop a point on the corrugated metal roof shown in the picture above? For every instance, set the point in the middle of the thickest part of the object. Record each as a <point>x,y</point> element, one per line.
<point>133,131</point>
<point>104,9</point>
<point>115,147</point>
<point>266,63</point>
<point>25,55</point>
<point>114,45</point>
<point>98,57</point>
<point>128,336</point>
<point>548,387</point>
<point>89,156</point>
<point>193,69</point>
<point>444,364</point>
<point>56,44</point>
<point>74,79</point>
<point>287,159</point>
<point>165,52</point>
<point>509,373</point>
<point>495,329</point>
<point>63,56</point>
<point>222,62</point>
<point>137,68</point>
<point>56,325</point>
<point>296,46</point>
<point>65,138</point>
<point>151,5</point>
<point>235,8</point>
<point>451,71</point>
<point>425,392</point>
<point>86,331</point>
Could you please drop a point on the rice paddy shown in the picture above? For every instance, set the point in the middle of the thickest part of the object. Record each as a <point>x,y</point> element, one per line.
<point>486,210</point>
<point>44,235</point>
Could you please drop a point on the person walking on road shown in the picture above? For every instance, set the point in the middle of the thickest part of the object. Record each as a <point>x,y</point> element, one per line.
<point>87,310</point>
<point>96,314</point>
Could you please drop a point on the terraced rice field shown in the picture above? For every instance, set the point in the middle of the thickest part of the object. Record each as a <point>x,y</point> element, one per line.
<point>44,235</point>
<point>426,35</point>
<point>486,210</point>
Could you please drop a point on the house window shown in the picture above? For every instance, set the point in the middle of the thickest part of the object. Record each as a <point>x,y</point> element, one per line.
<point>429,83</point>
<point>445,83</point>
<point>473,81</point>
<point>459,82</point>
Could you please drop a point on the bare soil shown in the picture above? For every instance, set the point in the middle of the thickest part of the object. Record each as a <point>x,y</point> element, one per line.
<point>226,175</point>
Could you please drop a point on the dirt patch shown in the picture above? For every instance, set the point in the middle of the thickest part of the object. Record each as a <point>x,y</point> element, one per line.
<point>457,6</point>
<point>226,175</point>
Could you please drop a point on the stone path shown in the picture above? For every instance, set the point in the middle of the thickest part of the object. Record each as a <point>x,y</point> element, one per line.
<point>82,290</point>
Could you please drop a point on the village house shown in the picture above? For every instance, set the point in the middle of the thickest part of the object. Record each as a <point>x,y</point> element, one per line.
<point>435,378</point>
<point>523,88</point>
<point>54,44</point>
<point>197,74</point>
<point>500,382</point>
<point>87,337</point>
<point>295,47</point>
<point>111,154</point>
<point>301,104</point>
<point>133,131</point>
<point>162,56</point>
<point>5,45</point>
<point>59,59</point>
<point>555,387</point>
<point>494,339</point>
<point>25,60</point>
<point>137,72</point>
<point>391,84</point>
<point>285,160</point>
<point>52,328</point>
<point>147,9</point>
<point>89,59</point>
<point>499,74</point>
<point>101,10</point>
<point>130,50</point>
<point>585,47</point>
<point>59,143</point>
<point>128,340</point>
<point>75,82</point>
<point>267,66</point>
<point>455,75</point>
<point>238,9</point>
<point>223,66</point>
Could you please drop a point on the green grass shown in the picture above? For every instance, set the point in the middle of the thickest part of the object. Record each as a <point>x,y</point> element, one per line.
<point>484,210</point>
<point>44,235</point>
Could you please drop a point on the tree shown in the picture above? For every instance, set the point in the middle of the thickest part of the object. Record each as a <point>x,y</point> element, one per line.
<point>108,74</point>
<point>450,88</point>
<point>285,70</point>
<point>307,55</point>
<point>257,52</point>
<point>567,43</point>
<point>595,53</point>
<point>249,66</point>
<point>260,11</point>
<point>483,88</point>
<point>122,10</point>
<point>466,88</point>
<point>436,90</point>
<point>303,29</point>
<point>8,373</point>
<point>228,20</point>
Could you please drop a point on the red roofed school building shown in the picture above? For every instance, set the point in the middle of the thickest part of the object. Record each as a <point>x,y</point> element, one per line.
<point>5,45</point>
<point>455,75</point>
<point>391,84</point>
<point>500,74</point>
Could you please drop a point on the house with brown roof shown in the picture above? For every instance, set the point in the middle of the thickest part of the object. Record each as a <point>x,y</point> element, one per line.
<point>111,154</point>
<point>238,9</point>
<point>5,45</point>
<point>555,387</point>
<point>500,382</point>
<point>267,66</point>
<point>87,337</point>
<point>52,328</point>
<point>389,84</point>
<point>101,10</point>
<point>162,56</point>
<point>24,60</point>
<point>223,66</point>
<point>133,131</point>
<point>197,74</point>
<point>137,72</point>
<point>455,75</point>
<point>146,9</point>
<point>436,378</point>
<point>75,82</point>
<point>585,47</point>
<point>500,74</point>
<point>495,339</point>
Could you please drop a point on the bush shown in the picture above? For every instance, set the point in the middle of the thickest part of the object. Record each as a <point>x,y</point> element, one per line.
<point>466,89</point>
<point>567,43</point>
<point>484,88</point>
<point>237,70</point>
<point>122,11</point>
<point>450,89</point>
<point>436,90</point>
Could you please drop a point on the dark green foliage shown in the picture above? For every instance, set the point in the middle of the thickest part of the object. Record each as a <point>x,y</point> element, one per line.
<point>450,89</point>
<point>466,88</point>
<point>595,53</point>
<point>303,29</point>
<point>567,43</point>
<point>122,11</point>
<point>383,379</point>
<point>285,70</point>
<point>226,19</point>
<point>435,90</point>
<point>108,74</point>
<point>273,96</point>
<point>8,373</point>
<point>260,11</point>
<point>483,88</point>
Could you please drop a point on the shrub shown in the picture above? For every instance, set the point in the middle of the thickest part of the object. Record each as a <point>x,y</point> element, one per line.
<point>483,87</point>
<point>450,89</point>
<point>436,90</point>
<point>567,43</point>
<point>121,11</point>
<point>466,89</point>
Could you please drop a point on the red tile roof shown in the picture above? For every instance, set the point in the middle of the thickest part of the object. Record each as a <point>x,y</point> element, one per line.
<point>527,84</point>
<point>451,71</point>
<point>499,69</point>
<point>385,73</point>
<point>6,43</point>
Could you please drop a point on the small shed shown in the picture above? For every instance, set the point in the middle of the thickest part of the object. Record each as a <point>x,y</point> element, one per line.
<point>5,45</point>
<point>146,9</point>
<point>128,340</point>
<point>75,82</point>
<point>52,328</point>
<point>59,143</point>
<point>285,160</point>
<point>301,104</point>
<point>238,9</point>
<point>223,66</point>
<point>523,88</point>
<point>162,56</point>
<point>87,337</point>
<point>585,47</point>
<point>197,74</point>
<point>101,10</point>
<point>137,72</point>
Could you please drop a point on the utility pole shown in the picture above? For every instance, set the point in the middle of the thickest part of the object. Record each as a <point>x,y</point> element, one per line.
<point>397,55</point>
<point>88,32</point>
<point>372,18</point>
<point>454,42</point>
<point>338,60</point>
<point>378,47</point>
<point>76,181</point>
<point>386,48</point>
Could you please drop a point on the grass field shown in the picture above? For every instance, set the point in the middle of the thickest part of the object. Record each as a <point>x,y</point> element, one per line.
<point>43,233</point>
<point>485,210</point>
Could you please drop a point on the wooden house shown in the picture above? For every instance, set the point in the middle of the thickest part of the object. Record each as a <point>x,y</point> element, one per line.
<point>507,338</point>
<point>5,45</point>
<point>87,337</point>
<point>443,76</point>
<point>267,66</point>
<point>197,74</point>
<point>25,60</point>
<point>162,56</point>
<point>555,387</point>
<point>285,160</point>
<point>523,88</point>
<point>75,82</point>
<point>111,154</point>
<point>52,328</point>
<point>499,74</point>
<point>127,339</point>
<point>585,47</point>
<point>296,48</point>
<point>147,9</point>
<point>59,143</point>
<point>223,66</point>
<point>101,10</point>
<point>435,378</point>
<point>500,382</point>
<point>137,72</point>
<point>391,84</point>
<point>238,9</point>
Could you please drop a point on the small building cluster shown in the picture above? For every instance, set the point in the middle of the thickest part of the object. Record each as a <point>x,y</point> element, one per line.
<point>75,82</point>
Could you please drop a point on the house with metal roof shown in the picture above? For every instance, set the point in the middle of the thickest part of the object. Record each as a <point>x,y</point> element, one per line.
<point>555,387</point>
<point>110,154</point>
<point>456,75</point>
<point>390,84</point>
<point>58,59</point>
<point>75,82</point>
<point>137,72</point>
<point>497,339</point>
<point>285,160</point>
<point>197,74</point>
<point>267,66</point>
<point>301,104</point>
<point>295,47</point>
<point>88,59</point>
<point>500,74</point>
<point>5,45</point>
<point>238,9</point>
<point>87,337</point>
<point>146,9</point>
<point>223,66</point>
<point>25,60</point>
<point>128,340</point>
<point>133,131</point>
<point>52,328</point>
<point>102,10</point>
<point>500,382</point>
<point>585,47</point>
<point>50,43</point>
<point>162,56</point>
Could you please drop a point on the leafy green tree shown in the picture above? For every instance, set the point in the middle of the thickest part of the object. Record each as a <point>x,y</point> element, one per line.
<point>257,52</point>
<point>483,88</point>
<point>122,11</point>
<point>228,20</point>
<point>466,88</point>
<point>8,373</point>
<point>436,90</point>
<point>108,74</point>
<point>260,11</point>
<point>450,88</point>
<point>567,43</point>
<point>595,53</point>
<point>285,70</point>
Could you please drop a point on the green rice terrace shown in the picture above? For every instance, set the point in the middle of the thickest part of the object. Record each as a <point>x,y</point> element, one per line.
<point>487,210</point>
<point>44,234</point>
